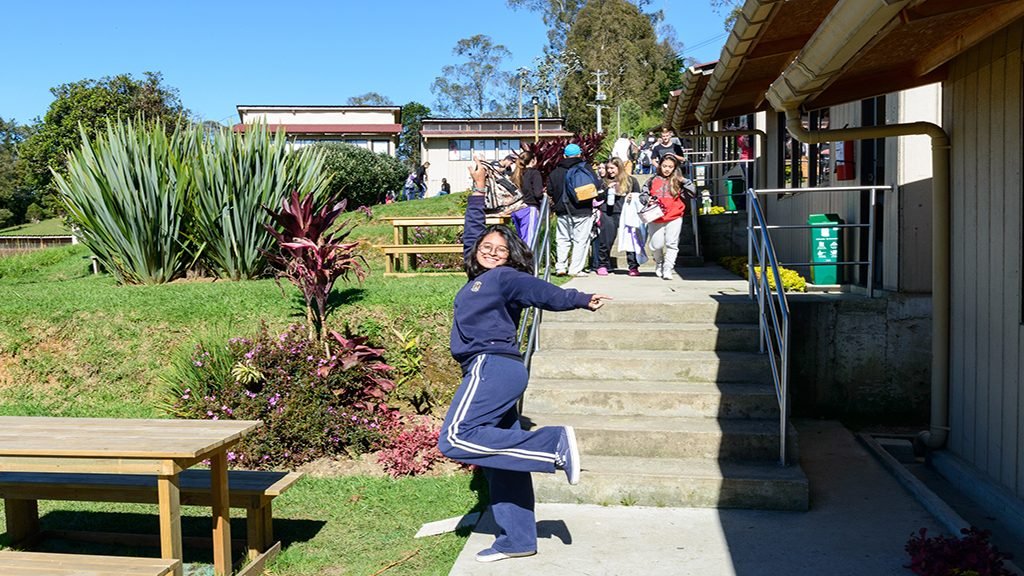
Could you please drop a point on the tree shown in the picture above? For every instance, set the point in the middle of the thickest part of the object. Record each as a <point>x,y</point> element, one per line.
<point>369,99</point>
<point>733,8</point>
<point>477,87</point>
<point>615,37</point>
<point>89,103</point>
<point>413,114</point>
<point>558,17</point>
<point>13,196</point>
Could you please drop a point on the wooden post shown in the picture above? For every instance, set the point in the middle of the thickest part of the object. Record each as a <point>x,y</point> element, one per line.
<point>22,520</point>
<point>221,514</point>
<point>169,498</point>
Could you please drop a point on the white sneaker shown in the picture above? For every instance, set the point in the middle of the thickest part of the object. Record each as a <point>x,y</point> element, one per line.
<point>657,269</point>
<point>568,455</point>
<point>492,555</point>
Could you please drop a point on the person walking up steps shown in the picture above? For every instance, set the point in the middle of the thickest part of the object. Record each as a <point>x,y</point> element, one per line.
<point>482,425</point>
<point>667,189</point>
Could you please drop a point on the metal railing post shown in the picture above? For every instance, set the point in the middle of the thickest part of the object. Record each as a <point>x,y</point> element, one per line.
<point>871,244</point>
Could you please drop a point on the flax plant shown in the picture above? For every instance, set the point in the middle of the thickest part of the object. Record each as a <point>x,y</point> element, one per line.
<point>236,174</point>
<point>126,192</point>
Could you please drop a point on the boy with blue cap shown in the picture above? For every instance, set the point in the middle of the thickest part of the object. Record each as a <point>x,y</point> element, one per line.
<point>575,219</point>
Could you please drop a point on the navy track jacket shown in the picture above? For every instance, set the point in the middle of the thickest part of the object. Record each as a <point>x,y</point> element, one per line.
<point>488,307</point>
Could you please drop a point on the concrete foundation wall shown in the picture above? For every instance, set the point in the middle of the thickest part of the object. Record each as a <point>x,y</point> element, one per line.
<point>723,235</point>
<point>861,358</point>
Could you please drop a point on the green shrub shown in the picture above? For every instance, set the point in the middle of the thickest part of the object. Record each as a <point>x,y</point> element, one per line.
<point>126,190</point>
<point>236,175</point>
<point>361,176</point>
<point>312,403</point>
<point>792,281</point>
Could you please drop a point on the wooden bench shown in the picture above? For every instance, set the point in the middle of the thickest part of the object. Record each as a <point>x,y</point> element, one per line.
<point>395,251</point>
<point>249,489</point>
<point>14,563</point>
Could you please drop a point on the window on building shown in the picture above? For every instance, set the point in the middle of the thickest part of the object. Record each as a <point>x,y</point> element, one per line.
<point>460,150</point>
<point>380,146</point>
<point>506,147</point>
<point>486,147</point>
<point>360,143</point>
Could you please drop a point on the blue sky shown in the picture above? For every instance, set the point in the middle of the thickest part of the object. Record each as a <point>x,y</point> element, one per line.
<point>221,53</point>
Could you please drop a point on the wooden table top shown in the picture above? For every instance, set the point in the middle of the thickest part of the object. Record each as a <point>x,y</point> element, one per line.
<point>116,437</point>
<point>439,220</point>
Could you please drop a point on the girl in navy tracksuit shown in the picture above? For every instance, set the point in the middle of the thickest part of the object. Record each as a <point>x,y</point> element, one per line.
<point>482,425</point>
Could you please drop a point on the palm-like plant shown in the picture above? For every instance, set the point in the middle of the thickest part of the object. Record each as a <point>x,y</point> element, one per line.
<point>235,176</point>
<point>126,193</point>
<point>311,256</point>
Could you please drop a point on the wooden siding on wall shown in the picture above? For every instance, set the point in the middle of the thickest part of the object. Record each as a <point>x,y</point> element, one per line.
<point>982,112</point>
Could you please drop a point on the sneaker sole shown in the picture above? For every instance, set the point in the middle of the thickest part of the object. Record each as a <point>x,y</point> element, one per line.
<point>572,473</point>
<point>503,556</point>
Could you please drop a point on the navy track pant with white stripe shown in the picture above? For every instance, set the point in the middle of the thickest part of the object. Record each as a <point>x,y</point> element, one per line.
<point>482,428</point>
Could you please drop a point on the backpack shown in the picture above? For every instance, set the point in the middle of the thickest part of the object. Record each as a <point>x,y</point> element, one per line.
<point>579,183</point>
<point>645,158</point>
<point>502,196</point>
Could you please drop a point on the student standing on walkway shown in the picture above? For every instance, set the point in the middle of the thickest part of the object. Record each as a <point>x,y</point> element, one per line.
<point>620,185</point>
<point>528,179</point>
<point>482,425</point>
<point>575,220</point>
<point>666,189</point>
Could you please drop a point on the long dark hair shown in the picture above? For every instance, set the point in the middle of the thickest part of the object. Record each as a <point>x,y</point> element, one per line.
<point>522,161</point>
<point>519,255</point>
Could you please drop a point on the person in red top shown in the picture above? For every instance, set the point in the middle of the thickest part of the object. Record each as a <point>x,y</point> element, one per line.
<point>666,188</point>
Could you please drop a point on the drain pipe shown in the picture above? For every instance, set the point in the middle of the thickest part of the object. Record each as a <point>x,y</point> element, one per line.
<point>938,431</point>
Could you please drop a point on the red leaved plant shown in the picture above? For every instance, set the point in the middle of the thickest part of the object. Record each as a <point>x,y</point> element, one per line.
<point>951,556</point>
<point>352,353</point>
<point>550,152</point>
<point>311,256</point>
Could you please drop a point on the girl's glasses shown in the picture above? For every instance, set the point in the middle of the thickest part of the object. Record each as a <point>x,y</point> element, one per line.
<point>495,250</point>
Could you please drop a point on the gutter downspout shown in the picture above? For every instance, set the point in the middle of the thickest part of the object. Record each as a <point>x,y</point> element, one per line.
<point>761,158</point>
<point>938,431</point>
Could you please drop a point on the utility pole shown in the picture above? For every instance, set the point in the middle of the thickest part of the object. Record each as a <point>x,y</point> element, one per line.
<point>600,97</point>
<point>522,75</point>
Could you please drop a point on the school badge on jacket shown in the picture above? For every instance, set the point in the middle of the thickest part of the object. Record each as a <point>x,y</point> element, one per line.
<point>476,286</point>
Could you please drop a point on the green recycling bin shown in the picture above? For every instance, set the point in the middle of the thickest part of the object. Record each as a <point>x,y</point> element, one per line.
<point>825,247</point>
<point>731,187</point>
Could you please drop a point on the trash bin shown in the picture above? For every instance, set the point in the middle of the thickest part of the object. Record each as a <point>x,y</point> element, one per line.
<point>825,247</point>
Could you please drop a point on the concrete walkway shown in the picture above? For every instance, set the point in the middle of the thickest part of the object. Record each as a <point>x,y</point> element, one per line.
<point>859,521</point>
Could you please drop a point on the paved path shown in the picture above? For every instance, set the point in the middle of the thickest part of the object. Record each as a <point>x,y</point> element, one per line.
<point>859,521</point>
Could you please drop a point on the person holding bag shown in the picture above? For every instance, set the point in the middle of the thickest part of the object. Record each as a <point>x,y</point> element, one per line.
<point>665,190</point>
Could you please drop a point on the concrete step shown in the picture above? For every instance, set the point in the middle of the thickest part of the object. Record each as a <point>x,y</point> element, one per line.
<point>658,437</point>
<point>726,309</point>
<point>637,481</point>
<point>678,366</point>
<point>649,336</point>
<point>651,398</point>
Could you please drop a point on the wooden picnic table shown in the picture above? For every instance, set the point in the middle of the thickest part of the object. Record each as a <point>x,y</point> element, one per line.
<point>130,446</point>
<point>400,231</point>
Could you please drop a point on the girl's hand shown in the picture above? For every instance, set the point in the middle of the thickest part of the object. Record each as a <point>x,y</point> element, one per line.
<point>479,175</point>
<point>597,300</point>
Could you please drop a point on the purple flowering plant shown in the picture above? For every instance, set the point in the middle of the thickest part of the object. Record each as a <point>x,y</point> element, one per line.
<point>312,404</point>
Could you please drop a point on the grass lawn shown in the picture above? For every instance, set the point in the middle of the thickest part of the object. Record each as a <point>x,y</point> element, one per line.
<point>77,344</point>
<point>338,526</point>
<point>51,227</point>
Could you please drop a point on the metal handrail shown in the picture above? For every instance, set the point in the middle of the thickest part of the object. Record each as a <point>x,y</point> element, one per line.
<point>542,269</point>
<point>773,312</point>
<point>873,202</point>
